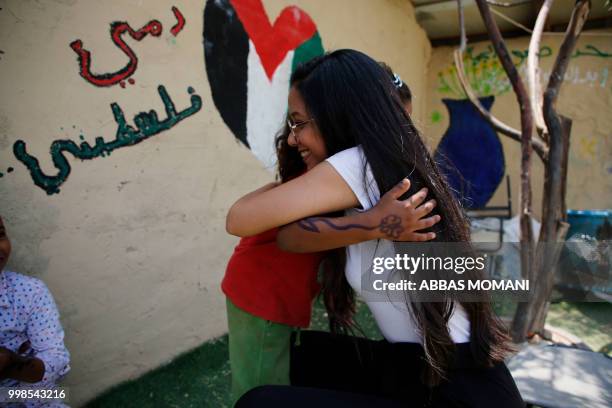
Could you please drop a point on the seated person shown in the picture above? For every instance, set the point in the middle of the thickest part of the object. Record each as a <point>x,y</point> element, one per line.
<point>32,351</point>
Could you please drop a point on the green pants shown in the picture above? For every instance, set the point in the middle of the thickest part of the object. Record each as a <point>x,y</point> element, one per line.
<point>258,351</point>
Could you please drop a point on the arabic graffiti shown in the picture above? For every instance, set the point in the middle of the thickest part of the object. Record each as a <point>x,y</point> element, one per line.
<point>591,78</point>
<point>117,30</point>
<point>153,27</point>
<point>487,77</point>
<point>180,22</point>
<point>589,50</point>
<point>522,55</point>
<point>147,125</point>
<point>592,51</point>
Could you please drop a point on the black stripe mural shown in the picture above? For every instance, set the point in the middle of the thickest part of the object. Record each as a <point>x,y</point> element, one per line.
<point>226,46</point>
<point>249,62</point>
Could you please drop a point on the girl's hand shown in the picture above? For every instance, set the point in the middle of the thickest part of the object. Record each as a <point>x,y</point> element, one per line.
<point>399,220</point>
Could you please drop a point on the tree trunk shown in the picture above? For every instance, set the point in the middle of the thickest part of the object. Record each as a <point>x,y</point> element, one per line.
<point>553,229</point>
<point>553,149</point>
<point>526,138</point>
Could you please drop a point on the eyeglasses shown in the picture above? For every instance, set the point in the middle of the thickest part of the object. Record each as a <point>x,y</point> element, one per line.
<point>293,126</point>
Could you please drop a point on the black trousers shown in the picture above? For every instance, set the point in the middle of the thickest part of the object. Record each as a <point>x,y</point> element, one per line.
<point>336,370</point>
<point>285,396</point>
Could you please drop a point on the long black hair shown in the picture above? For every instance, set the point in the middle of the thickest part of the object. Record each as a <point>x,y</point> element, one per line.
<point>354,103</point>
<point>402,88</point>
<point>290,163</point>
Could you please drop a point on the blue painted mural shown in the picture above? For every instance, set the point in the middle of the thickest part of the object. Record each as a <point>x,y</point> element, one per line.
<point>470,153</point>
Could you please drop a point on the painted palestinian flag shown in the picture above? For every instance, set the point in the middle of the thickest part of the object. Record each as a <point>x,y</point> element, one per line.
<point>249,62</point>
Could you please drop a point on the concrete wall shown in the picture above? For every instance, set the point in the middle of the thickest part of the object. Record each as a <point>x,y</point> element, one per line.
<point>128,230</point>
<point>586,95</point>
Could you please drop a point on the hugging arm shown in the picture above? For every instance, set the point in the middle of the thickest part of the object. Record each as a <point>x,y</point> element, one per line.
<point>390,219</point>
<point>320,191</point>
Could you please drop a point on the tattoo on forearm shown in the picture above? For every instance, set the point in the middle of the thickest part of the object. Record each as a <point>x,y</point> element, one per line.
<point>391,225</point>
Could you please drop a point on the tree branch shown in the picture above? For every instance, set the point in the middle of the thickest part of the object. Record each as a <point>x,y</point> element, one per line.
<point>526,117</point>
<point>514,4</point>
<point>559,128</point>
<point>533,71</point>
<point>519,325</point>
<point>463,42</point>
<point>540,148</point>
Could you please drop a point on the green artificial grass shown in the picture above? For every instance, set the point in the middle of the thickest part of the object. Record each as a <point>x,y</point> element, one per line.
<point>201,377</point>
<point>592,322</point>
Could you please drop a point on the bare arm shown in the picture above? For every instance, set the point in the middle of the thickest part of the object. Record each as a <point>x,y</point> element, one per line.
<point>320,191</point>
<point>261,189</point>
<point>389,219</point>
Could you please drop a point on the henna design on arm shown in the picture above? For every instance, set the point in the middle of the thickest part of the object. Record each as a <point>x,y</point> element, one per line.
<point>391,225</point>
<point>309,224</point>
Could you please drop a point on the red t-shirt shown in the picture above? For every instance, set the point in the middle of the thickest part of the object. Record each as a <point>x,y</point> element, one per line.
<point>272,284</point>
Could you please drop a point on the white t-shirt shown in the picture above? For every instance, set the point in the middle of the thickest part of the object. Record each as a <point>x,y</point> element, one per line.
<point>393,318</point>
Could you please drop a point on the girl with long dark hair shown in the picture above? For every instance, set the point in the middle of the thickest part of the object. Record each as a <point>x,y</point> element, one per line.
<point>270,291</point>
<point>346,110</point>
